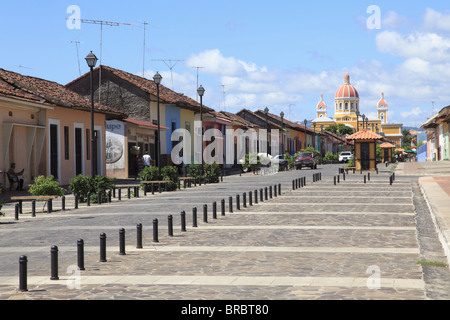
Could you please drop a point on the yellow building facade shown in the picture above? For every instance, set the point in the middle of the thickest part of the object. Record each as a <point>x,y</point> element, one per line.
<point>347,112</point>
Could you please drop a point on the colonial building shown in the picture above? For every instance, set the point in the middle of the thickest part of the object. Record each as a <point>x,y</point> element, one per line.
<point>347,112</point>
<point>46,129</point>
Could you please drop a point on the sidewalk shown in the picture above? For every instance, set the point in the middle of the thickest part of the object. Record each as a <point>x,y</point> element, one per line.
<point>434,182</point>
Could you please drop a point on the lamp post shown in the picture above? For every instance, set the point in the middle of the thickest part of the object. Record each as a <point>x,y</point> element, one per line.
<point>357,120</point>
<point>305,122</point>
<point>314,141</point>
<point>266,112</point>
<point>282,132</point>
<point>363,119</point>
<point>157,78</point>
<point>91,60</point>
<point>201,92</point>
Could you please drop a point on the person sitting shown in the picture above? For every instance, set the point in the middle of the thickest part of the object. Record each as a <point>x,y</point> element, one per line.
<point>14,177</point>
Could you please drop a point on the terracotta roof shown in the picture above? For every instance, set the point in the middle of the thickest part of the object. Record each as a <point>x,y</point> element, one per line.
<point>46,92</point>
<point>386,145</point>
<point>365,134</point>
<point>144,124</point>
<point>346,90</point>
<point>237,118</point>
<point>149,86</point>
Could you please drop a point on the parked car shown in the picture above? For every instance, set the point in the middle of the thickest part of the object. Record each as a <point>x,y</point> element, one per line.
<point>280,161</point>
<point>345,156</point>
<point>305,159</point>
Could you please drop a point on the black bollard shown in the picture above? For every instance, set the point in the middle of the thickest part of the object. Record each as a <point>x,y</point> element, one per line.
<point>270,192</point>
<point>364,178</point>
<point>80,253</point>
<point>230,204</point>
<point>76,201</point>
<point>155,230</point>
<point>222,206</point>
<point>293,184</point>
<point>368,176</point>
<point>99,197</point>
<point>122,242</point>
<point>120,194</point>
<point>238,202</point>
<point>194,217</point>
<point>16,211</point>
<point>214,210</point>
<point>103,247</point>
<point>49,205</point>
<point>261,195</point>
<point>63,203</point>
<point>88,200</point>
<point>54,263</point>
<point>279,189</point>
<point>256,196</point>
<point>129,193</point>
<point>23,273</point>
<point>250,200</point>
<point>109,196</point>
<point>139,236</point>
<point>275,190</point>
<point>244,200</point>
<point>170,225</point>
<point>205,213</point>
<point>338,178</point>
<point>334,180</point>
<point>265,193</point>
<point>343,175</point>
<point>33,208</point>
<point>183,221</point>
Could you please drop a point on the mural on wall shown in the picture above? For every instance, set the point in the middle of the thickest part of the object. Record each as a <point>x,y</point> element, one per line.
<point>115,141</point>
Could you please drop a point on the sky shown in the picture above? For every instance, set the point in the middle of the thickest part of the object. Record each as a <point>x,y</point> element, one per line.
<point>247,54</point>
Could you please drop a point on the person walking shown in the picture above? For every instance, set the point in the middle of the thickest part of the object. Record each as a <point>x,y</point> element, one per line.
<point>146,158</point>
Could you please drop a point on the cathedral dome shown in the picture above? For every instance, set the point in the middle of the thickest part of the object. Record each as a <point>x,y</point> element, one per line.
<point>346,90</point>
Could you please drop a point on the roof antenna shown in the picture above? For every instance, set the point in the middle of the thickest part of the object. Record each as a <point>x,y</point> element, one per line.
<point>170,63</point>
<point>20,68</point>
<point>78,56</point>
<point>197,79</point>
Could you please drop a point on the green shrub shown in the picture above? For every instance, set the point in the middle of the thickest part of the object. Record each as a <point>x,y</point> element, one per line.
<point>170,173</point>
<point>45,186</point>
<point>212,172</point>
<point>194,170</point>
<point>81,185</point>
<point>331,157</point>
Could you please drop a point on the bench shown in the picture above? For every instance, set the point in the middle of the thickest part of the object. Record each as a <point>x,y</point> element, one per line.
<point>186,180</point>
<point>145,183</point>
<point>48,201</point>
<point>347,169</point>
<point>128,186</point>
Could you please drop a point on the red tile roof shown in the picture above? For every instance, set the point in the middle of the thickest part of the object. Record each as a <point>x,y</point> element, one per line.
<point>46,92</point>
<point>365,134</point>
<point>144,124</point>
<point>149,86</point>
<point>387,145</point>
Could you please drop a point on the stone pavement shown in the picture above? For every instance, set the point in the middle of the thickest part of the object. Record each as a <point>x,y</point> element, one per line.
<point>352,240</point>
<point>434,182</point>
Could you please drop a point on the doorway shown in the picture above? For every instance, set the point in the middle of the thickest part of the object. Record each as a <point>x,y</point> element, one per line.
<point>365,156</point>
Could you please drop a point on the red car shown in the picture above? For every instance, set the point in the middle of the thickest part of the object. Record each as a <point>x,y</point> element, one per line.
<point>305,159</point>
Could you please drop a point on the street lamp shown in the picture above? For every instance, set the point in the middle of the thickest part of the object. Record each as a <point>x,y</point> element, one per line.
<point>91,60</point>
<point>157,78</point>
<point>314,141</point>
<point>305,122</point>
<point>201,92</point>
<point>363,119</point>
<point>266,111</point>
<point>282,132</point>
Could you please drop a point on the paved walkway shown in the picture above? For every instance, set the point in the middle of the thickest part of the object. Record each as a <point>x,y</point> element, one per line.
<point>352,240</point>
<point>434,182</point>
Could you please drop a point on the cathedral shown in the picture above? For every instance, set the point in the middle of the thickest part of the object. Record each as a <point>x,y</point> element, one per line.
<point>346,111</point>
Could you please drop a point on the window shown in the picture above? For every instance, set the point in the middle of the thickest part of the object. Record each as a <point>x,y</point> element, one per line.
<point>66,143</point>
<point>346,106</point>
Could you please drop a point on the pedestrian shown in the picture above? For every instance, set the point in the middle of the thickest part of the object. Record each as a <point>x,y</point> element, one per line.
<point>14,177</point>
<point>146,158</point>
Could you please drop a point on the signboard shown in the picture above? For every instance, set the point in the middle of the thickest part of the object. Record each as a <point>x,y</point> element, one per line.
<point>115,145</point>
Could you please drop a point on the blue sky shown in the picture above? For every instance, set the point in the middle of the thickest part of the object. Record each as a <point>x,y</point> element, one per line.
<point>281,54</point>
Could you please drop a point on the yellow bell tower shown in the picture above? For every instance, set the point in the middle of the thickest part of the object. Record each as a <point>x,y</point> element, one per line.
<point>321,108</point>
<point>382,109</point>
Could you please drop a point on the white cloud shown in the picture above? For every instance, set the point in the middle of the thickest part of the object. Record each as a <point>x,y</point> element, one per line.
<point>434,20</point>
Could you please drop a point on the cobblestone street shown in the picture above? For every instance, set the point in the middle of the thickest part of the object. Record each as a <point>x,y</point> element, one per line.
<point>352,240</point>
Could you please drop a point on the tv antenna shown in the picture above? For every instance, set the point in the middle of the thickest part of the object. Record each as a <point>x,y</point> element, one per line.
<point>101,23</point>
<point>197,79</point>
<point>290,111</point>
<point>22,67</point>
<point>143,53</point>
<point>170,63</point>
<point>78,56</point>
<point>223,93</point>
